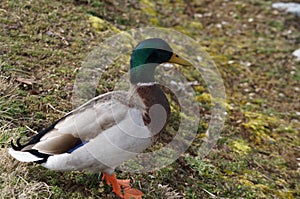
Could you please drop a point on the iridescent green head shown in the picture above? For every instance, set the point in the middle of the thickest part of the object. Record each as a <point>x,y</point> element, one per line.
<point>147,55</point>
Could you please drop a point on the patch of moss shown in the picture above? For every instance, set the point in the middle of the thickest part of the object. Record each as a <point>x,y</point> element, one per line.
<point>260,126</point>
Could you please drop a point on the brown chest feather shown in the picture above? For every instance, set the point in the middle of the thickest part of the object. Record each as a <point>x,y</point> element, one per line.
<point>157,107</point>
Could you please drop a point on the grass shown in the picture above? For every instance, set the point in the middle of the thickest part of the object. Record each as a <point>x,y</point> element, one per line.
<point>256,157</point>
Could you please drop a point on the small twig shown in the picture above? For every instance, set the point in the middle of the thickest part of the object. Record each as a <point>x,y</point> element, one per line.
<point>20,177</point>
<point>259,165</point>
<point>2,10</point>
<point>55,109</point>
<point>212,195</point>
<point>61,37</point>
<point>30,129</point>
<point>140,186</point>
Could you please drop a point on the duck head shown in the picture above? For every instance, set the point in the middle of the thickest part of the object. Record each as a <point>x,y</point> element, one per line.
<point>147,55</point>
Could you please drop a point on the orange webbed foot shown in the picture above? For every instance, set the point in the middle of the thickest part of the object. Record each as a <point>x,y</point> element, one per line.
<point>129,193</point>
<point>123,183</point>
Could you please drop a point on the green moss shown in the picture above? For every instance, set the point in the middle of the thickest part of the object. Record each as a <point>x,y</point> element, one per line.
<point>99,24</point>
<point>260,126</point>
<point>241,147</point>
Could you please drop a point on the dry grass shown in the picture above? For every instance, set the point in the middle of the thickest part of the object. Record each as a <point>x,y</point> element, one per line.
<point>15,183</point>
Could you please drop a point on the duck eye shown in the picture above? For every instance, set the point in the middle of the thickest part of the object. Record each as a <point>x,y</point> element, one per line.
<point>176,56</point>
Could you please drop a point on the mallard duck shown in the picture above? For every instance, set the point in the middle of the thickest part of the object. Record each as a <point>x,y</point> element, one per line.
<point>111,128</point>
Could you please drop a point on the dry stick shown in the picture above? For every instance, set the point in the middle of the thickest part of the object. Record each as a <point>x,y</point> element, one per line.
<point>56,109</point>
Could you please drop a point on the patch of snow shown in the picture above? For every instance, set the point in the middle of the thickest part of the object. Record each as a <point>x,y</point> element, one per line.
<point>293,8</point>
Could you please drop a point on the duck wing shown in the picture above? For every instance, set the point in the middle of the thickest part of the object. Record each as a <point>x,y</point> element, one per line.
<point>74,129</point>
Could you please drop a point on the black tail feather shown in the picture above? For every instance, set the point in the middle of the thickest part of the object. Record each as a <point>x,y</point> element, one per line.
<point>18,142</point>
<point>19,146</point>
<point>14,146</point>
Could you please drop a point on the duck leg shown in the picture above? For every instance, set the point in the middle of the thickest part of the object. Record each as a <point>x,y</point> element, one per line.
<point>117,184</point>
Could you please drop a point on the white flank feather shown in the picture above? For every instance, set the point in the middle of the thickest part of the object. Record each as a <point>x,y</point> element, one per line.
<point>23,156</point>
